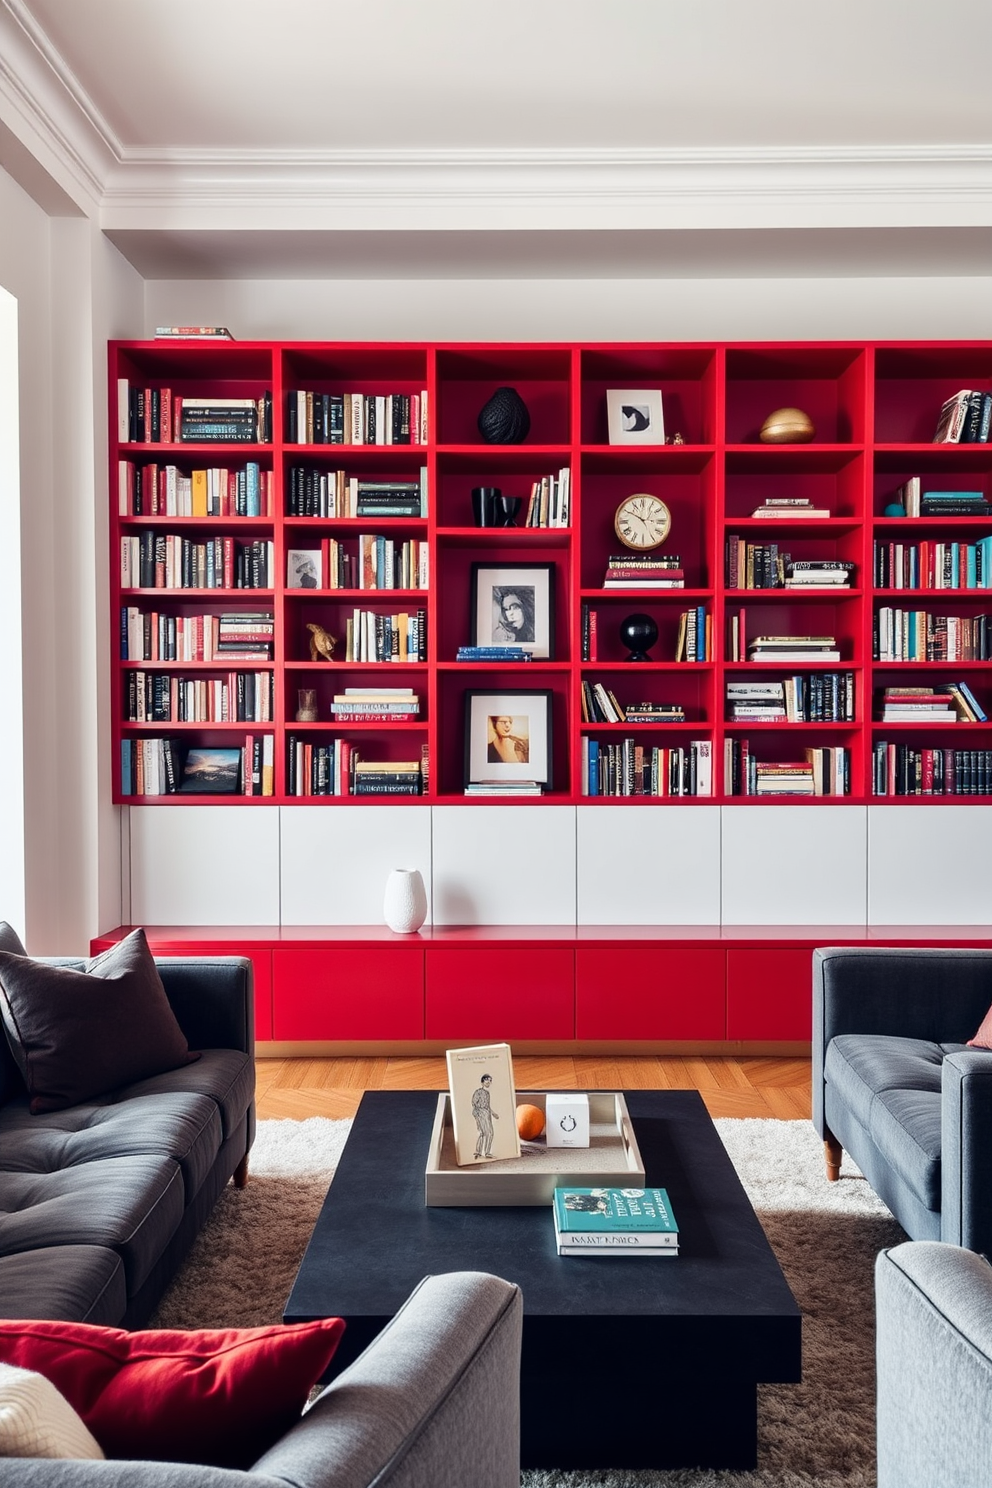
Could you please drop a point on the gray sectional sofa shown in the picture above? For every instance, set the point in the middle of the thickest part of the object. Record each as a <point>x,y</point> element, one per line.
<point>896,1086</point>
<point>100,1202</point>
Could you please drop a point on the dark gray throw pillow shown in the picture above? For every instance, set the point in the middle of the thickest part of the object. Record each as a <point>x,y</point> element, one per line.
<point>11,1083</point>
<point>10,940</point>
<point>77,1034</point>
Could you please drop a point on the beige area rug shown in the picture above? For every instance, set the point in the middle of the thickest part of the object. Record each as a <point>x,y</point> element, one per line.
<point>826,1237</point>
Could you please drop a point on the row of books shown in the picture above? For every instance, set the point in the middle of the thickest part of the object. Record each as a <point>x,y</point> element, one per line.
<point>159,560</point>
<point>627,767</point>
<point>750,565</point>
<point>167,697</point>
<point>241,635</point>
<point>611,1221</point>
<point>908,770</point>
<point>694,638</point>
<point>158,415</point>
<point>822,771</point>
<point>335,493</point>
<point>371,636</point>
<point>314,417</point>
<point>965,418</point>
<point>919,635</point>
<point>933,565</point>
<point>166,766</point>
<point>600,705</point>
<point>628,571</point>
<point>813,697</point>
<point>550,501</point>
<point>154,490</point>
<point>337,769</point>
<point>370,561</point>
<point>947,702</point>
<point>375,705</point>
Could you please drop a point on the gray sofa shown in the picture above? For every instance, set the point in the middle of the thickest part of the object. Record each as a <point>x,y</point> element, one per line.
<point>895,1085</point>
<point>934,1367</point>
<point>433,1402</point>
<point>100,1203</point>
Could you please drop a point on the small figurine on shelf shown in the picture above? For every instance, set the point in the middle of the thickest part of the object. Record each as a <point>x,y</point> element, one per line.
<point>321,644</point>
<point>675,438</point>
<point>787,426</point>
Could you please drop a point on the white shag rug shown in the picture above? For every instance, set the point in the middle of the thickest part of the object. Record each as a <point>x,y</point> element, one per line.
<point>826,1237</point>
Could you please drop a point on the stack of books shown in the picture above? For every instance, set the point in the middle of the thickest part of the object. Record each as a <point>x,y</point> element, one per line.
<point>954,504</point>
<point>245,634</point>
<point>375,705</point>
<point>788,649</point>
<point>782,778</point>
<point>614,1221</point>
<point>504,788</point>
<point>787,507</point>
<point>917,705</point>
<point>192,333</point>
<point>627,571</point>
<point>388,499</point>
<point>655,713</point>
<point>387,778</point>
<point>818,573</point>
<point>965,418</point>
<point>756,702</point>
<point>212,420</point>
<point>492,653</point>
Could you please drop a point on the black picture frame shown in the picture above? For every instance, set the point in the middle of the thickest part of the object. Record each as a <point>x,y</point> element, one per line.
<point>530,711</point>
<point>532,585</point>
<point>211,772</point>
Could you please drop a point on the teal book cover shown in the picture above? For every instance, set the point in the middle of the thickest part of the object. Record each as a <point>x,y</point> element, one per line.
<point>610,1211</point>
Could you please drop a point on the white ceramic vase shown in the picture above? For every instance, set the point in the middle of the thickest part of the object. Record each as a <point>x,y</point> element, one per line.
<point>405,905</point>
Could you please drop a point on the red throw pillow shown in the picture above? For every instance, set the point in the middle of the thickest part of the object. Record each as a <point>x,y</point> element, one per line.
<point>983,1038</point>
<point>220,1397</point>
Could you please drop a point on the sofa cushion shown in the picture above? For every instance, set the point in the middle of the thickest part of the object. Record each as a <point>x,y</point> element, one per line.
<point>227,1076</point>
<point>76,1035</point>
<point>130,1204</point>
<point>905,1127</point>
<point>218,1397</point>
<point>859,1066</point>
<point>36,1421</point>
<point>181,1125</point>
<point>83,1282</point>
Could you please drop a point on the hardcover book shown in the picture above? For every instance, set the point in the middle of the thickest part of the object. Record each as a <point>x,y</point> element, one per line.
<point>483,1103</point>
<point>597,1221</point>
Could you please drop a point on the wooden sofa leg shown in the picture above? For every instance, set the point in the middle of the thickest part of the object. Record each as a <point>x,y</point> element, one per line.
<point>241,1172</point>
<point>833,1152</point>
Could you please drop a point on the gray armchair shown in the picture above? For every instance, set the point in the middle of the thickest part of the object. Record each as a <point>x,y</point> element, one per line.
<point>934,1367</point>
<point>433,1402</point>
<point>895,1085</point>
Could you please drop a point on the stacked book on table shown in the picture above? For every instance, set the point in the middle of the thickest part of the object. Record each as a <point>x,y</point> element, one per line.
<point>614,1221</point>
<point>792,648</point>
<point>628,571</point>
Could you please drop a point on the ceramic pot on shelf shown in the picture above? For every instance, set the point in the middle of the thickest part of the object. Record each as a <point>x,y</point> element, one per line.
<point>405,905</point>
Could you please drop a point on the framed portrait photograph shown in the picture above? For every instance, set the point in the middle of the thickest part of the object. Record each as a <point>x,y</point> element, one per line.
<point>508,737</point>
<point>304,568</point>
<point>514,606</point>
<point>635,416</point>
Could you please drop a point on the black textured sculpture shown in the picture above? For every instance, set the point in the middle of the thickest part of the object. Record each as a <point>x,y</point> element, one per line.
<point>504,419</point>
<point>638,632</point>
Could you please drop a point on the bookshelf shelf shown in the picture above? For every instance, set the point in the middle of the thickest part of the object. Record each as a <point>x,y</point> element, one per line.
<point>874,407</point>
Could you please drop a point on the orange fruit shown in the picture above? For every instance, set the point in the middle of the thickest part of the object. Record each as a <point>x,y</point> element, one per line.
<point>530,1122</point>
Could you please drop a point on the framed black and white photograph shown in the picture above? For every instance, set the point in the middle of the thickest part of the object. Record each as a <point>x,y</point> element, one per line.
<point>212,772</point>
<point>635,416</point>
<point>304,568</point>
<point>514,606</point>
<point>508,737</point>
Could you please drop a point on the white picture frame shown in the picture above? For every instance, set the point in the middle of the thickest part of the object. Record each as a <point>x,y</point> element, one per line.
<point>304,568</point>
<point>483,1104</point>
<point>514,605</point>
<point>523,752</point>
<point>635,416</point>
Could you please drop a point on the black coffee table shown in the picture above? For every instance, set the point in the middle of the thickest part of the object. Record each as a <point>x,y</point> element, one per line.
<point>627,1362</point>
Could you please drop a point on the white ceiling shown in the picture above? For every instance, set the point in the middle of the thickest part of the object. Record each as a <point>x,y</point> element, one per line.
<point>456,137</point>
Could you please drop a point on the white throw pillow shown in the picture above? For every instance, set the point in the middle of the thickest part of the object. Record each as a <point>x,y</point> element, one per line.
<point>36,1421</point>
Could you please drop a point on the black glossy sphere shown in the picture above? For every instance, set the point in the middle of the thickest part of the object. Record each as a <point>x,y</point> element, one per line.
<point>638,632</point>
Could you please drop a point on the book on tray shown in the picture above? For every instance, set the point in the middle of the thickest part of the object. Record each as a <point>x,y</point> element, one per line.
<point>614,1221</point>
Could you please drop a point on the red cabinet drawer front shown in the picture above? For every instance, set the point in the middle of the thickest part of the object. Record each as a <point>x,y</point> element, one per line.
<point>769,994</point>
<point>500,995</point>
<point>650,994</point>
<point>348,994</point>
<point>262,966</point>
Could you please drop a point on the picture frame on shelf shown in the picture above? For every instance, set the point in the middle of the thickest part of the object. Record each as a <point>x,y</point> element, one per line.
<point>508,737</point>
<point>635,416</point>
<point>211,772</point>
<point>514,605</point>
<point>304,568</point>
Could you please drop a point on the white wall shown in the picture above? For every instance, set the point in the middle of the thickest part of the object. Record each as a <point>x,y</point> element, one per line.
<point>12,859</point>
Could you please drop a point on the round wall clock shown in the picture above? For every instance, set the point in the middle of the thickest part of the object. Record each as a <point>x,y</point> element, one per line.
<point>642,521</point>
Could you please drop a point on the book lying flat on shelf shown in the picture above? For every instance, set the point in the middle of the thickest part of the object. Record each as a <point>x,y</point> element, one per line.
<point>788,507</point>
<point>193,333</point>
<point>614,1221</point>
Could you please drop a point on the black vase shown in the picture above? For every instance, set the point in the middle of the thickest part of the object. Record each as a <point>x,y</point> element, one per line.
<point>638,632</point>
<point>504,419</point>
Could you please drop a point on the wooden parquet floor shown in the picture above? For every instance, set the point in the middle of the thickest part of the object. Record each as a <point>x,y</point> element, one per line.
<point>758,1086</point>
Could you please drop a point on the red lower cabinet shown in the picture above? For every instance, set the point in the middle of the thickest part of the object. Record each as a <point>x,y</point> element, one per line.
<point>769,994</point>
<point>348,994</point>
<point>500,994</point>
<point>650,994</point>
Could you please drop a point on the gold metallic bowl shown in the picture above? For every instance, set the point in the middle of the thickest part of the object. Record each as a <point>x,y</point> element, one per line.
<point>787,426</point>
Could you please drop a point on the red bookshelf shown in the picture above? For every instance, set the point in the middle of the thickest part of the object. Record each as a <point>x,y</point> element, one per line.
<point>875,409</point>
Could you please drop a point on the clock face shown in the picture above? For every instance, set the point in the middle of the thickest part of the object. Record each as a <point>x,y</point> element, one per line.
<point>642,521</point>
